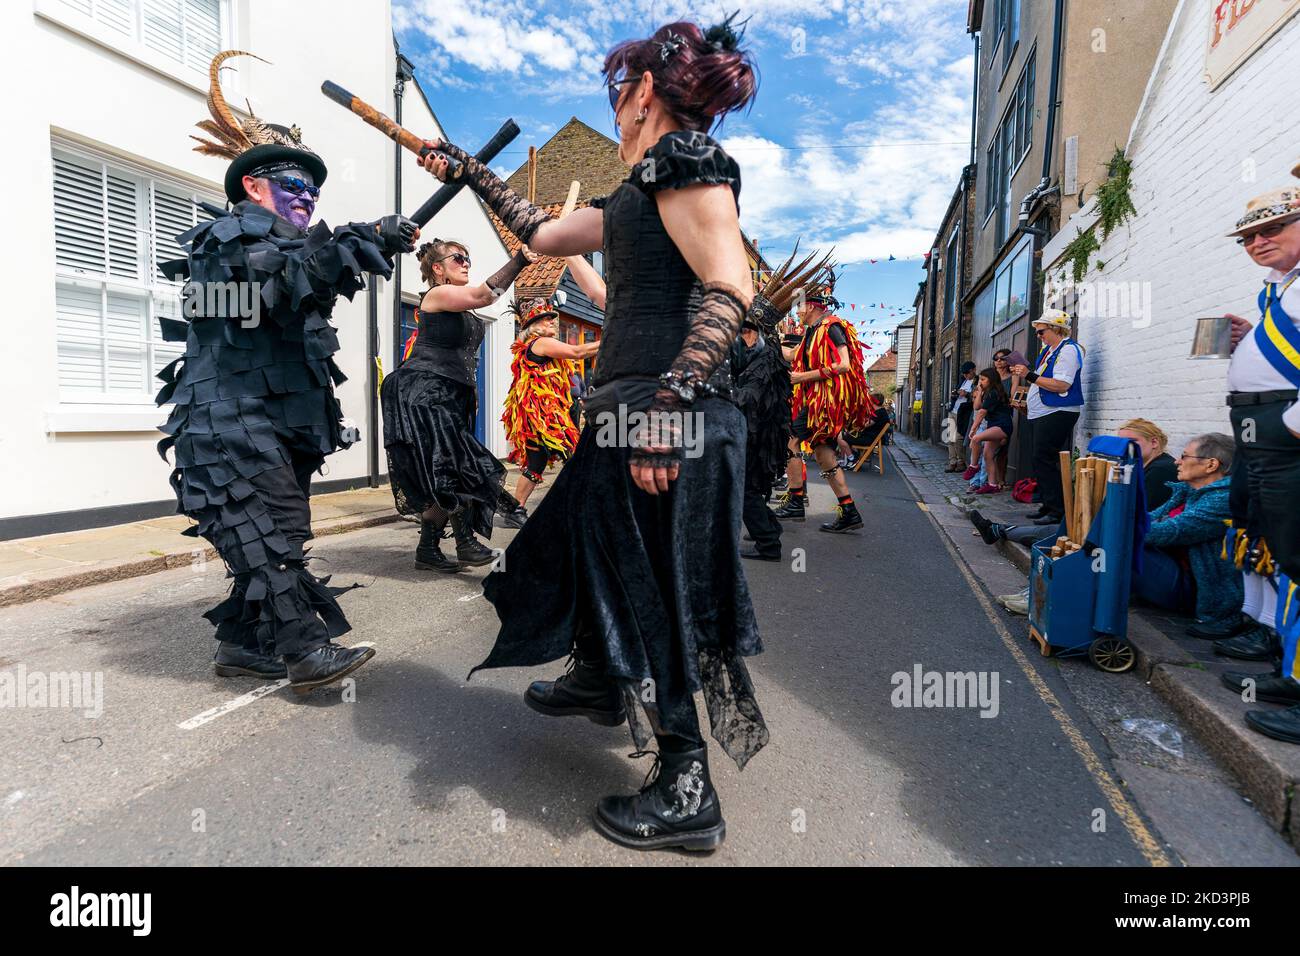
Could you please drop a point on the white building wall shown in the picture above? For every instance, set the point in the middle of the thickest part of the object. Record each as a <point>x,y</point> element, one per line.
<point>72,79</point>
<point>1198,156</point>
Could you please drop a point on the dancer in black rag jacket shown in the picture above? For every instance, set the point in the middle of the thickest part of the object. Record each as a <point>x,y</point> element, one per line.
<point>763,392</point>
<point>254,409</point>
<point>439,470</point>
<point>629,563</point>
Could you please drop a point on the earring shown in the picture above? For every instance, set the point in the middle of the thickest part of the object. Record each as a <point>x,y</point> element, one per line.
<point>640,117</point>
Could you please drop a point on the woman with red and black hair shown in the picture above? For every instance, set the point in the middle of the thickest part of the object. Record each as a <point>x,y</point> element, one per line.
<point>629,564</point>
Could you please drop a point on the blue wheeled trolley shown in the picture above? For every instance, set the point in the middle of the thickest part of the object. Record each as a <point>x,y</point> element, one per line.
<point>1078,601</point>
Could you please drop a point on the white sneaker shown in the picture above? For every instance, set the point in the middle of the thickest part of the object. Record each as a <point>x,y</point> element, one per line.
<point>1017,603</point>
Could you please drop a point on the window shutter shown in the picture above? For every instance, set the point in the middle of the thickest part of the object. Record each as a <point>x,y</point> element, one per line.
<point>202,32</point>
<point>124,227</point>
<point>77,319</point>
<point>79,217</point>
<point>173,213</point>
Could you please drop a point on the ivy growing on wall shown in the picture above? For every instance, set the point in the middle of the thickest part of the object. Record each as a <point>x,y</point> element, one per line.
<point>1114,207</point>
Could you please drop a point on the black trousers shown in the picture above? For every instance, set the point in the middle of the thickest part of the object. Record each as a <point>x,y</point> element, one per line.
<point>1265,492</point>
<point>761,524</point>
<point>1052,434</point>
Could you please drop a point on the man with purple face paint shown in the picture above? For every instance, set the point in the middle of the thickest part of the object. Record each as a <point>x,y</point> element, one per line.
<point>253,408</point>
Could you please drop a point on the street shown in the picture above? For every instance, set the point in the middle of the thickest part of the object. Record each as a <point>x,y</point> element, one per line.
<point>412,765</point>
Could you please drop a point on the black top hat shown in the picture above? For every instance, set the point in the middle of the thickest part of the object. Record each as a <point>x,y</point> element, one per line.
<point>268,158</point>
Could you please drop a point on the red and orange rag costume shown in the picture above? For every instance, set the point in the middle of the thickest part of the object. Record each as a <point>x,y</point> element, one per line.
<point>536,412</point>
<point>836,404</point>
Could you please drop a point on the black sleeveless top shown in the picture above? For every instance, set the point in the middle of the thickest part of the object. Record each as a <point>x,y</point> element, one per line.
<point>447,345</point>
<point>651,293</point>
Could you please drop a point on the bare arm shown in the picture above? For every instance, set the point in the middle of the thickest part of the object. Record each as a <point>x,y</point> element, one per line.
<point>589,281</point>
<point>551,347</point>
<point>841,365</point>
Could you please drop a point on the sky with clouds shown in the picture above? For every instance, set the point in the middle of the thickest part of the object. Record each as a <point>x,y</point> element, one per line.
<point>856,139</point>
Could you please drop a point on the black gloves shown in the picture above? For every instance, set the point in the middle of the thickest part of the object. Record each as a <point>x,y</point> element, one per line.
<point>396,233</point>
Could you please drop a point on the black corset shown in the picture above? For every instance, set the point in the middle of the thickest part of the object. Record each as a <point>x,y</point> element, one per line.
<point>651,294</point>
<point>447,345</point>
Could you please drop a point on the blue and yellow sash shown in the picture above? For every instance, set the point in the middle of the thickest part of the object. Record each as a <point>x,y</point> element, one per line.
<point>1276,335</point>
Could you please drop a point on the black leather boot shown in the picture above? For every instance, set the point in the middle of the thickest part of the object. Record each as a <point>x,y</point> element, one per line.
<point>1272,688</point>
<point>428,553</point>
<point>469,550</point>
<point>847,519</point>
<point>1211,631</point>
<point>1260,643</point>
<point>792,509</point>
<point>1281,725</point>
<point>676,807</point>
<point>583,691</point>
<point>324,665</point>
<point>232,660</point>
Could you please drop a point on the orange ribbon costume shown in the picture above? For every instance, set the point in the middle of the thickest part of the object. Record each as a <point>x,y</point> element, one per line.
<point>537,407</point>
<point>838,403</point>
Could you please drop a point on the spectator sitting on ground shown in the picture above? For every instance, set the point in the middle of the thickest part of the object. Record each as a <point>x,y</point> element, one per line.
<point>1152,441</point>
<point>1182,567</point>
<point>1158,465</point>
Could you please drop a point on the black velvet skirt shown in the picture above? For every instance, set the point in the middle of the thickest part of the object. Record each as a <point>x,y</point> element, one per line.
<point>433,456</point>
<point>657,579</point>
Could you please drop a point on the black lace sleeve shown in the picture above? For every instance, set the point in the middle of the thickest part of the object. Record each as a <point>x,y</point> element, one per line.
<point>684,158</point>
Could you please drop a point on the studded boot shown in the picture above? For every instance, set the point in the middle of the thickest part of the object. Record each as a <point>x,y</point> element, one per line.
<point>676,807</point>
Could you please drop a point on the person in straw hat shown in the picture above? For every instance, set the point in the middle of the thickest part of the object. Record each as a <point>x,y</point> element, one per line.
<point>1054,402</point>
<point>253,408</point>
<point>1264,536</point>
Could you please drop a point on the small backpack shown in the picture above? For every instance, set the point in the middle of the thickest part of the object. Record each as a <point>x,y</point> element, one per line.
<point>1023,490</point>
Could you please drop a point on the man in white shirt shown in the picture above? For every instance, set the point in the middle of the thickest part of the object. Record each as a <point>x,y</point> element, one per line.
<point>1263,380</point>
<point>1054,402</point>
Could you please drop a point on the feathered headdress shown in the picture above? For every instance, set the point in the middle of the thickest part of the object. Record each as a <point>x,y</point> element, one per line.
<point>531,310</point>
<point>781,289</point>
<point>250,144</point>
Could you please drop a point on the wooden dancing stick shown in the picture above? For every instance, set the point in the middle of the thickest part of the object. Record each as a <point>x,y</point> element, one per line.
<point>408,140</point>
<point>1067,489</point>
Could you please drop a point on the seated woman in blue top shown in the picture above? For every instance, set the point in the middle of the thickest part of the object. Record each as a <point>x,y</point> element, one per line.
<point>1182,569</point>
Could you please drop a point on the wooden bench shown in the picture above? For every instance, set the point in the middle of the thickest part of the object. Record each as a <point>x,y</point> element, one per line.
<point>878,447</point>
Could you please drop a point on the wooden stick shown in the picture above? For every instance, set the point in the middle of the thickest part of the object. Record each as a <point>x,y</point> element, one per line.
<point>1067,489</point>
<point>572,199</point>
<point>1098,485</point>
<point>1085,504</point>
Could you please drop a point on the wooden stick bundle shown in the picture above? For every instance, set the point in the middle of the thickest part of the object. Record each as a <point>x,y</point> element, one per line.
<point>1083,487</point>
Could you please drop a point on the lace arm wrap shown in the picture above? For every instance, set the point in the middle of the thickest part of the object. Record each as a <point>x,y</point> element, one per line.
<point>519,215</point>
<point>500,280</point>
<point>707,345</point>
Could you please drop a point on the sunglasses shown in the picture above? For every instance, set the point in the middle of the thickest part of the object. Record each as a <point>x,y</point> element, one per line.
<point>615,92</point>
<point>296,186</point>
<point>1268,232</point>
<point>457,257</point>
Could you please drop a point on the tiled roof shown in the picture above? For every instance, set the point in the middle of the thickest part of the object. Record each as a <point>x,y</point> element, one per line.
<point>886,363</point>
<point>543,277</point>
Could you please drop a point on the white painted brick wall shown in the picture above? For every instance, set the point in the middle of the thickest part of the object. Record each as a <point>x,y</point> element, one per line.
<point>1189,155</point>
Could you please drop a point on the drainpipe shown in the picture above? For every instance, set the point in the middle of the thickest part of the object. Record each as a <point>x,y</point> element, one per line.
<point>372,384</point>
<point>405,71</point>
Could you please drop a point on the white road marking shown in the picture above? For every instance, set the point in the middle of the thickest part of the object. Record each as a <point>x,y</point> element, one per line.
<point>212,714</point>
<point>468,597</point>
<point>198,720</point>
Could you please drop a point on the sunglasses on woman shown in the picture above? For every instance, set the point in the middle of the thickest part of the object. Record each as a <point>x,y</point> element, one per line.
<point>615,92</point>
<point>296,186</point>
<point>457,257</point>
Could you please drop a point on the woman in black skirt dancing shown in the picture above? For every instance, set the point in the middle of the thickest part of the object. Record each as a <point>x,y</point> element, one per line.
<point>630,562</point>
<point>438,469</point>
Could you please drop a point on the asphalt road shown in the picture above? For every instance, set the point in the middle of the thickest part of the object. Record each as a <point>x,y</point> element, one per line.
<point>412,765</point>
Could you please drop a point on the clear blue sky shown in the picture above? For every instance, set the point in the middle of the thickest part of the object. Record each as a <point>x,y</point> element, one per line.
<point>856,139</point>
